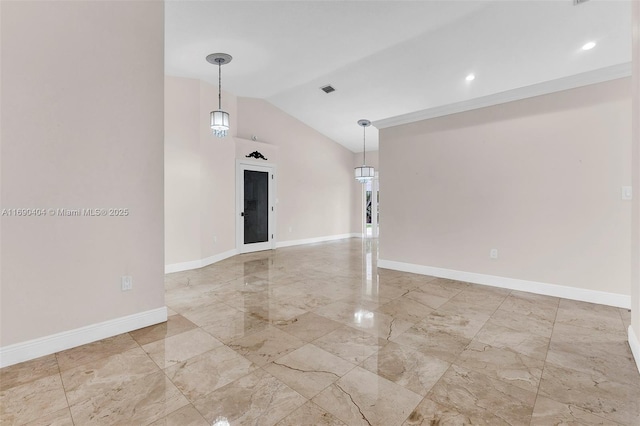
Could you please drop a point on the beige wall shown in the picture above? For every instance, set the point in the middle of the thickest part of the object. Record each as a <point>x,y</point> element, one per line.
<point>199,173</point>
<point>182,170</point>
<point>635,236</point>
<point>217,193</point>
<point>539,179</point>
<point>315,184</point>
<point>82,127</point>
<point>315,174</point>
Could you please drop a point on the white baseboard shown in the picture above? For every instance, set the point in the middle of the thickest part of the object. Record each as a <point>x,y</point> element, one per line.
<point>201,263</point>
<point>290,243</point>
<point>47,345</point>
<point>565,292</point>
<point>634,343</point>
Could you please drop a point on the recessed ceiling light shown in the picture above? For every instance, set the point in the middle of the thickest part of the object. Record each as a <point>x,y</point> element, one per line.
<point>470,77</point>
<point>589,45</point>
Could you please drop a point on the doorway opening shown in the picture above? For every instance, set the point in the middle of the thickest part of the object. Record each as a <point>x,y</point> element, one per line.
<point>371,211</point>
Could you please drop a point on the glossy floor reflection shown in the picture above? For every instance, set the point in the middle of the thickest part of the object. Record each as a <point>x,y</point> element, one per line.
<point>317,335</point>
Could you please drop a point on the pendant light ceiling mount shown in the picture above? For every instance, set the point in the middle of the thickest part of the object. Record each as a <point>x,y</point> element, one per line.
<point>219,118</point>
<point>364,173</point>
<point>219,58</point>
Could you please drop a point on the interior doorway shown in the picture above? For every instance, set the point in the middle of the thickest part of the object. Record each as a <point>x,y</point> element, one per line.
<point>371,203</point>
<point>255,207</point>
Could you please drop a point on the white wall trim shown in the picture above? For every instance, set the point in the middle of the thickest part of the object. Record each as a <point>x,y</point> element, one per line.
<point>634,344</point>
<point>571,82</point>
<point>47,345</point>
<point>201,263</point>
<point>290,243</point>
<point>573,293</point>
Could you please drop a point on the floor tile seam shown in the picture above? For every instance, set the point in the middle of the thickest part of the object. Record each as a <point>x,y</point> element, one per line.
<point>306,341</point>
<point>124,383</point>
<point>554,332</point>
<point>546,356</point>
<point>604,378</point>
<point>31,380</point>
<point>531,314</point>
<point>292,411</point>
<point>599,311</point>
<point>73,422</point>
<point>230,342</point>
<point>383,378</point>
<point>501,303</point>
<point>354,403</point>
<point>481,328</point>
<point>457,358</point>
<point>189,401</point>
<point>315,311</point>
<point>361,365</point>
<point>205,395</point>
<point>621,318</point>
<point>93,360</point>
<point>523,316</point>
<point>484,409</point>
<point>101,357</point>
<point>429,396</point>
<point>508,347</point>
<point>576,406</point>
<point>520,331</point>
<point>621,330</point>
<point>422,304</point>
<point>428,354</point>
<point>227,305</point>
<point>59,374</point>
<point>174,411</point>
<point>570,351</point>
<point>66,397</point>
<point>350,361</point>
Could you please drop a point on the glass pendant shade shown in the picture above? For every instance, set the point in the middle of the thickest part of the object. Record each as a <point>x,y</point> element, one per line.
<point>220,123</point>
<point>364,173</point>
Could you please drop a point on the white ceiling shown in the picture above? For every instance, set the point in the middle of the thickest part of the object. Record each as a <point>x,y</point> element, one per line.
<point>388,58</point>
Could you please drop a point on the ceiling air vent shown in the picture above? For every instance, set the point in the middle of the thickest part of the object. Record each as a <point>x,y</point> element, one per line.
<point>579,2</point>
<point>327,89</point>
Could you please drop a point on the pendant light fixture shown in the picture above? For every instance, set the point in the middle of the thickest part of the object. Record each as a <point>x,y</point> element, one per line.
<point>219,118</point>
<point>364,173</point>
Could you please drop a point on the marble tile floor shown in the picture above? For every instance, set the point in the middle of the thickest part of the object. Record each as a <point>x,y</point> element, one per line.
<point>318,335</point>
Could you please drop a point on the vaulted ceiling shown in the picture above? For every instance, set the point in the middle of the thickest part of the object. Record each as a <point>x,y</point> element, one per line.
<point>389,58</point>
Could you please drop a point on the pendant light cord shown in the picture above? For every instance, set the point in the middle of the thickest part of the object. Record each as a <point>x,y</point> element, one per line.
<point>364,146</point>
<point>219,84</point>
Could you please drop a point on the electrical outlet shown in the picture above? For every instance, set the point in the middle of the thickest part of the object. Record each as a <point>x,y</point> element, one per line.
<point>215,239</point>
<point>627,193</point>
<point>126,283</point>
<point>290,228</point>
<point>493,253</point>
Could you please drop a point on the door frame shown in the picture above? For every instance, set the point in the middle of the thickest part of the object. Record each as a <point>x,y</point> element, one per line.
<point>241,166</point>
